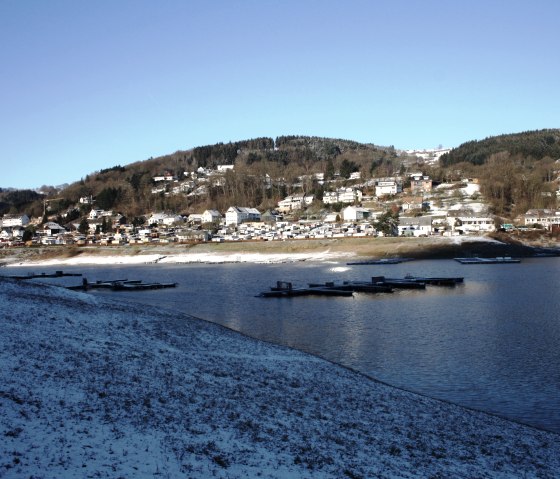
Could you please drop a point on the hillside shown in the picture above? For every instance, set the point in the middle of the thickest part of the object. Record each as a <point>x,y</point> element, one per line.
<point>94,388</point>
<point>516,172</point>
<point>265,171</point>
<point>531,145</point>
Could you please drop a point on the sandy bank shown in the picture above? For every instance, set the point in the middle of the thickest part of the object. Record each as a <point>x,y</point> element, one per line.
<point>267,252</point>
<point>104,389</point>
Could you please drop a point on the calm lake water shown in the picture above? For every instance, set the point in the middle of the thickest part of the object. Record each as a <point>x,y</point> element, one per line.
<point>491,344</point>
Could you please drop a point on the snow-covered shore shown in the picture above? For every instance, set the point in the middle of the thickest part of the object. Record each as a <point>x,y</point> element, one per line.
<point>267,252</point>
<point>93,388</point>
<point>207,258</point>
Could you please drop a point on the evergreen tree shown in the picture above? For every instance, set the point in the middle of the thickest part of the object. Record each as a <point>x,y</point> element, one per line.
<point>84,226</point>
<point>329,172</point>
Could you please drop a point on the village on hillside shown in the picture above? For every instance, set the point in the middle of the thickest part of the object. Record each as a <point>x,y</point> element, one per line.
<point>407,205</point>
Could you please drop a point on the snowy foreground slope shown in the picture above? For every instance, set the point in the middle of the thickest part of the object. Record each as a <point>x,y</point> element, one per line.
<point>92,388</point>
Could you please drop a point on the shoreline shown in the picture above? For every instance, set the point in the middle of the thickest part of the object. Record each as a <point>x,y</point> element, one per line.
<point>275,252</point>
<point>107,381</point>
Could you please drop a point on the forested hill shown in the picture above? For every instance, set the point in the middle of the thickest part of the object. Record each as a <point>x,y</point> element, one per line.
<point>517,172</point>
<point>530,145</point>
<point>265,170</point>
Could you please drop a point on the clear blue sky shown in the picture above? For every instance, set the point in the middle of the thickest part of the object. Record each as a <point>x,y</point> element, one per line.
<point>86,85</point>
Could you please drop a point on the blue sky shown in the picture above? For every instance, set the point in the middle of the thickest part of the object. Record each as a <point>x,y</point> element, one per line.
<point>88,85</point>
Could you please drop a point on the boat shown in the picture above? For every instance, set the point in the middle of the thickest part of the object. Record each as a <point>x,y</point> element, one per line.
<point>496,260</point>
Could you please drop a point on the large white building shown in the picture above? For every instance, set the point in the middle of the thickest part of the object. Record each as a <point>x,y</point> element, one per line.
<point>388,186</point>
<point>236,215</point>
<point>544,217</point>
<point>471,224</point>
<point>296,202</point>
<point>9,221</point>
<point>355,213</point>
<point>342,195</point>
<point>415,226</point>
<point>163,219</point>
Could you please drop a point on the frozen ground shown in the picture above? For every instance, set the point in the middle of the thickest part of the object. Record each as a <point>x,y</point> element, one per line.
<point>92,388</point>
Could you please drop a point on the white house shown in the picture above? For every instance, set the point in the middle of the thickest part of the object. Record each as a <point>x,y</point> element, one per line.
<point>165,177</point>
<point>238,214</point>
<point>9,221</point>
<point>95,213</point>
<point>14,232</point>
<point>415,226</point>
<point>163,219</point>
<point>342,195</point>
<point>411,205</point>
<point>195,218</point>
<point>544,217</point>
<point>224,168</point>
<point>295,202</point>
<point>355,213</point>
<point>471,224</point>
<point>387,186</point>
<point>51,229</point>
<point>211,216</point>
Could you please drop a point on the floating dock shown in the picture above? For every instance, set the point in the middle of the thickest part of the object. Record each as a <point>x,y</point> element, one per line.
<point>398,283</point>
<point>121,285</point>
<point>497,260</point>
<point>378,284</point>
<point>142,286</point>
<point>435,281</point>
<point>285,289</point>
<point>354,286</point>
<point>380,261</point>
<point>56,274</point>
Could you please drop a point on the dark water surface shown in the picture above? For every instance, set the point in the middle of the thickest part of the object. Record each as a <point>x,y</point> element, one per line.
<point>492,343</point>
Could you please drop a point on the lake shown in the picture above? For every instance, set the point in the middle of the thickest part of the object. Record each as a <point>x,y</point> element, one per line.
<point>492,343</point>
